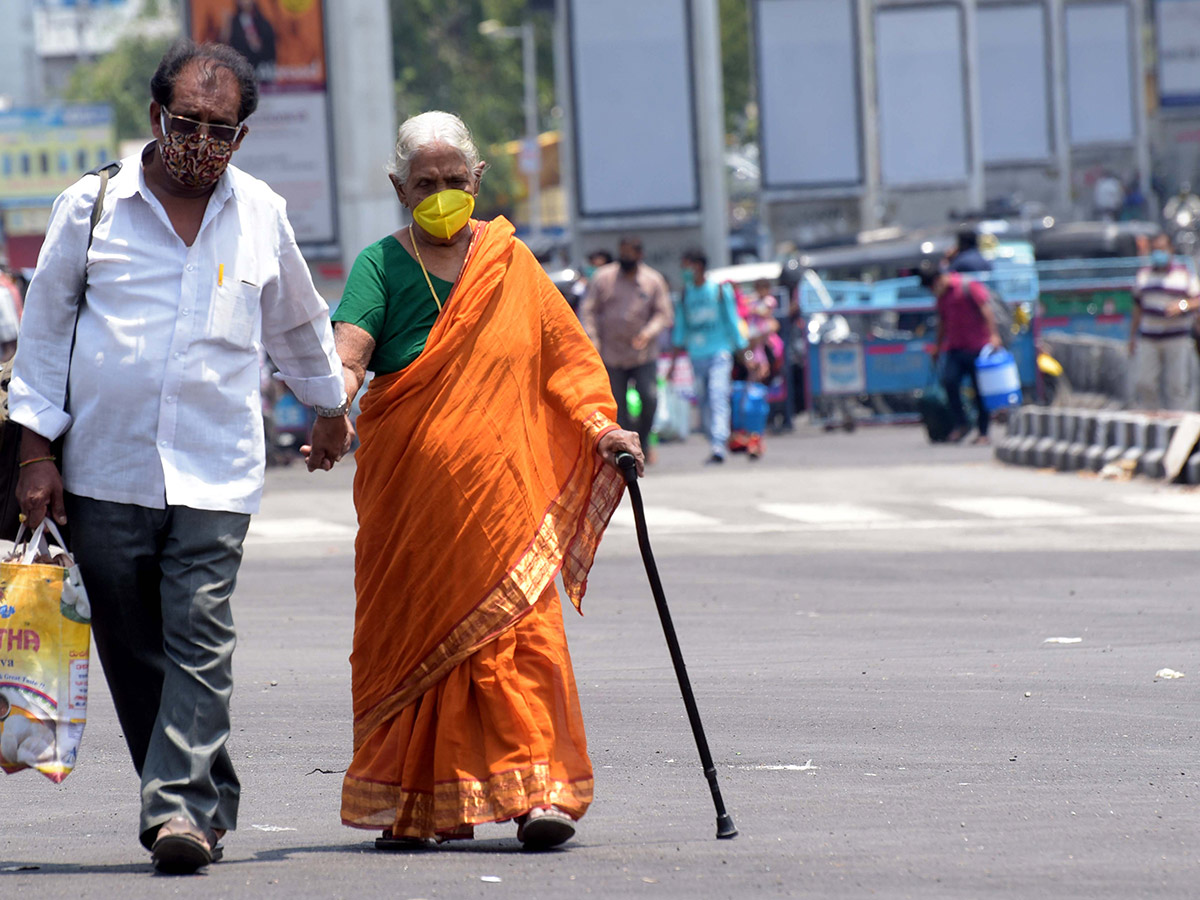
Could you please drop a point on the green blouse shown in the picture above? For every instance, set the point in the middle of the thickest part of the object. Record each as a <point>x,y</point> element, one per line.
<point>387,297</point>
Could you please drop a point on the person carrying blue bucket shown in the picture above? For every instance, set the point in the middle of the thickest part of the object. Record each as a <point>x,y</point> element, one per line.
<point>966,325</point>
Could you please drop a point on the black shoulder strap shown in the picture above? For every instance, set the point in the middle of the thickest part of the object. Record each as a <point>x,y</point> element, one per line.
<point>105,172</point>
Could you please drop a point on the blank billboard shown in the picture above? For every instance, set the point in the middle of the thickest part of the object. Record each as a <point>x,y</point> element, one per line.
<point>635,128</point>
<point>1099,73</point>
<point>1013,83</point>
<point>922,104</point>
<point>808,92</point>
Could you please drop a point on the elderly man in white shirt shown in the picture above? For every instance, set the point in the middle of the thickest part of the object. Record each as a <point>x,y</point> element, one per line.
<point>152,380</point>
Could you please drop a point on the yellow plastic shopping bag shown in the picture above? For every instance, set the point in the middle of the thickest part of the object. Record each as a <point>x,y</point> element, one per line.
<point>45,636</point>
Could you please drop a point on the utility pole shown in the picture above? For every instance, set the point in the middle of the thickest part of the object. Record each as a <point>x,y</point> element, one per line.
<point>530,157</point>
<point>710,131</point>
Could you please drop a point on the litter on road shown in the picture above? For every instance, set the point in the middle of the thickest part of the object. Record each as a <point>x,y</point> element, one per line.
<point>1167,673</point>
<point>1063,640</point>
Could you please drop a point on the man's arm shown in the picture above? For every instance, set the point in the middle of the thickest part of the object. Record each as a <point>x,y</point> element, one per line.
<point>298,336</point>
<point>38,389</point>
<point>662,316</point>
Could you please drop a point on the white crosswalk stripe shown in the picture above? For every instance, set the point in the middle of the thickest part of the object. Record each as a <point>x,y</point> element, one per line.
<point>1013,508</point>
<point>664,517</point>
<point>1178,503</point>
<point>827,513</point>
<point>271,531</point>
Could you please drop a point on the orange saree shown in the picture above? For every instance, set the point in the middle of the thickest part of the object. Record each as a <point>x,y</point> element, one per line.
<point>477,483</point>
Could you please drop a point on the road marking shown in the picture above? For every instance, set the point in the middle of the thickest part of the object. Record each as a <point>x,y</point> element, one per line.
<point>286,531</point>
<point>1015,508</point>
<point>1180,503</point>
<point>828,513</point>
<point>666,517</point>
<point>946,524</point>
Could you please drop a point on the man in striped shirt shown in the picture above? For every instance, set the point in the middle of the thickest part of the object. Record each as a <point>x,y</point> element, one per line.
<point>1160,341</point>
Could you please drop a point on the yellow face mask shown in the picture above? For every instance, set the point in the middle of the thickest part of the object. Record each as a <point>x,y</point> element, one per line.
<point>445,213</point>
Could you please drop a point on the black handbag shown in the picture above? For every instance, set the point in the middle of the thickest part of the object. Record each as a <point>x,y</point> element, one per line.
<point>10,431</point>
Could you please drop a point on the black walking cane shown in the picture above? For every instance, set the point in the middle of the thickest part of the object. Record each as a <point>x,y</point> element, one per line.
<point>725,826</point>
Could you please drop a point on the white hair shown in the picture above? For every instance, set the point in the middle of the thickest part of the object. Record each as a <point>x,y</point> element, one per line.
<point>423,131</point>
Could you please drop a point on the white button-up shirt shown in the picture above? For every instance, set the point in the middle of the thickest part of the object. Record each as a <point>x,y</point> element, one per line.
<point>165,405</point>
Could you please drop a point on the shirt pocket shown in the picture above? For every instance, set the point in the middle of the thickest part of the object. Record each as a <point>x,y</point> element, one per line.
<point>232,314</point>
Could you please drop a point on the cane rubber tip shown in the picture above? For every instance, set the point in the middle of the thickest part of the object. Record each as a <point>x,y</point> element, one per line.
<point>725,828</point>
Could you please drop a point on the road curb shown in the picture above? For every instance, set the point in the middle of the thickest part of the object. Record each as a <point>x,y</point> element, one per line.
<point>1082,439</point>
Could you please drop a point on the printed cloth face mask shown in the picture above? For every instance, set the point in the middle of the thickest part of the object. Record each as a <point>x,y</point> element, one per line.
<point>194,160</point>
<point>445,213</point>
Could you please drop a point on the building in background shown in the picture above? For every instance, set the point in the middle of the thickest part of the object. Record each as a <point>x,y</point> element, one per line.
<point>43,150</point>
<point>20,64</point>
<point>67,32</point>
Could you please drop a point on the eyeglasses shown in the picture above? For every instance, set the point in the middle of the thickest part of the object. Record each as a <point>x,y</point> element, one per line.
<point>185,126</point>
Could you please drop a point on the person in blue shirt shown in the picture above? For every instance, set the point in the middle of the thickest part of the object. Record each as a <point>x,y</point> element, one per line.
<point>967,256</point>
<point>707,327</point>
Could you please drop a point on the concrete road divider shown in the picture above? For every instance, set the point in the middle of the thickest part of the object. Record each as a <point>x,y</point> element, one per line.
<point>1082,439</point>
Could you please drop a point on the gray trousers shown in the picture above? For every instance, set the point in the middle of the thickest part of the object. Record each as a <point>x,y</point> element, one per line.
<point>645,379</point>
<point>1163,372</point>
<point>160,581</point>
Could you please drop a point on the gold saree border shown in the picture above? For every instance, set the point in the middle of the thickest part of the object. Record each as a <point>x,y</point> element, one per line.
<point>466,801</point>
<point>586,504</point>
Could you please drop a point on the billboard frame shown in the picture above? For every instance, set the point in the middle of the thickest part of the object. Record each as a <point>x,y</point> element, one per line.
<point>843,188</point>
<point>684,213</point>
<point>330,249</point>
<point>1050,98</point>
<point>957,182</point>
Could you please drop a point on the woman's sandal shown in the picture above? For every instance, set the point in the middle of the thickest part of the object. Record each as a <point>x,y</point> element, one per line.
<point>399,844</point>
<point>543,828</point>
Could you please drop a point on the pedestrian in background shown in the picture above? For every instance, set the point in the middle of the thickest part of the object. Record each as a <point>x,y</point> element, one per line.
<point>595,260</point>
<point>192,264</point>
<point>965,325</point>
<point>750,406</point>
<point>626,309</point>
<point>11,304</point>
<point>967,256</point>
<point>1166,296</point>
<point>708,329</point>
<point>487,467</point>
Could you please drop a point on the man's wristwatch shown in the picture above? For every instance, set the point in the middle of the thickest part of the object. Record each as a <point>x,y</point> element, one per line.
<point>333,412</point>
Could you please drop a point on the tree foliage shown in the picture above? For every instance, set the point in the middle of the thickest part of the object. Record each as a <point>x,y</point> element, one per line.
<point>122,78</point>
<point>736,69</point>
<point>443,62</point>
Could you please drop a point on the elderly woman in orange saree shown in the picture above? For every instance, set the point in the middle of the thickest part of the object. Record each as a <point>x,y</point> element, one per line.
<point>486,468</point>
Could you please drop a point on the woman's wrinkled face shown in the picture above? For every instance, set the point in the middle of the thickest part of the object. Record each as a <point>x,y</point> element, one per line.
<point>434,169</point>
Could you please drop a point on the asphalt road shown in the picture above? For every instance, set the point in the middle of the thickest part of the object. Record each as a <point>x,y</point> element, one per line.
<point>867,623</point>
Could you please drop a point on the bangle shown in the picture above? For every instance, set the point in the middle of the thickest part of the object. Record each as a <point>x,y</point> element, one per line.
<point>37,459</point>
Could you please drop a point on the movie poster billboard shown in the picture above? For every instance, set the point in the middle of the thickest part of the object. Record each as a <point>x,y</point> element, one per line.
<point>289,145</point>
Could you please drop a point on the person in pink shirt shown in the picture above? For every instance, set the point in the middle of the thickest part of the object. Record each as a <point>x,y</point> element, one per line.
<point>966,324</point>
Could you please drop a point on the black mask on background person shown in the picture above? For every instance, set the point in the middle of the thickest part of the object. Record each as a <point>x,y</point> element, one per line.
<point>628,265</point>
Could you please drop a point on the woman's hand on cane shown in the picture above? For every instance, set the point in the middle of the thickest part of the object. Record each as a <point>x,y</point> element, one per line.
<point>619,441</point>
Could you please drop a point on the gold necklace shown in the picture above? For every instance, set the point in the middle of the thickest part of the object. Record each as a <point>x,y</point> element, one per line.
<point>424,271</point>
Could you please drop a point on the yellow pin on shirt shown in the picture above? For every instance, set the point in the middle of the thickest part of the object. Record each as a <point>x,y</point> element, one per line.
<point>220,274</point>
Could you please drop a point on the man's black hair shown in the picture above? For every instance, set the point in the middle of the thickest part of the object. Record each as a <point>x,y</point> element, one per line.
<point>928,272</point>
<point>633,243</point>
<point>696,255</point>
<point>967,239</point>
<point>603,254</point>
<point>184,51</point>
